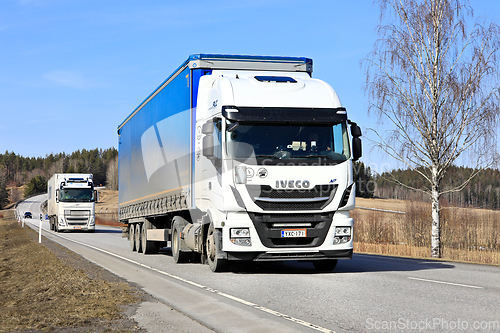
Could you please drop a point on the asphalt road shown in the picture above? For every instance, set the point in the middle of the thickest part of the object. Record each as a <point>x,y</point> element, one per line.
<point>366,294</point>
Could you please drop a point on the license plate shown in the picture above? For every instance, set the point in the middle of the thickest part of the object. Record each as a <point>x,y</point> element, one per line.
<point>77,228</point>
<point>292,233</point>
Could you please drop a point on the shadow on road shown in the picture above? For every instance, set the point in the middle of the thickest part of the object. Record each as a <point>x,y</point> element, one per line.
<point>108,231</point>
<point>360,263</point>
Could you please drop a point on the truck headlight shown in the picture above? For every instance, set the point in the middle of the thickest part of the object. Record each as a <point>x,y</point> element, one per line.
<point>240,232</point>
<point>342,231</point>
<point>342,235</point>
<point>61,222</point>
<point>92,221</point>
<point>240,236</point>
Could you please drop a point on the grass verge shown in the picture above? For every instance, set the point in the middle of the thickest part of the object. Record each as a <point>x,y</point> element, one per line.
<point>41,290</point>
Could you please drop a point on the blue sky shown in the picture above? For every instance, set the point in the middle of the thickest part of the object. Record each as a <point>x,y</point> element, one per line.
<point>72,70</point>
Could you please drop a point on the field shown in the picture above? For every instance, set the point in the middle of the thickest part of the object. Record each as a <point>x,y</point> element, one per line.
<point>107,208</point>
<point>469,235</point>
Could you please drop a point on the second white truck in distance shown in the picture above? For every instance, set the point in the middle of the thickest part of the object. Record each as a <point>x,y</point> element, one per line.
<point>71,202</point>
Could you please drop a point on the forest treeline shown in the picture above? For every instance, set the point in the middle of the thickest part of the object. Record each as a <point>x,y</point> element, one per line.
<point>483,191</point>
<point>16,170</point>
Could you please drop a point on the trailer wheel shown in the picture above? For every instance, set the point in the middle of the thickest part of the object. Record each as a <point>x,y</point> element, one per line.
<point>214,247</point>
<point>325,265</point>
<point>138,237</point>
<point>148,247</point>
<point>178,255</point>
<point>131,236</point>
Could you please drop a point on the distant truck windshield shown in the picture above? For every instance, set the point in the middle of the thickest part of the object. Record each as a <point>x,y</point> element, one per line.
<point>77,195</point>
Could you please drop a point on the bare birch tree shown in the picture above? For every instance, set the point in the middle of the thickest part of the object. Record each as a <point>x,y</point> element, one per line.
<point>112,174</point>
<point>433,82</point>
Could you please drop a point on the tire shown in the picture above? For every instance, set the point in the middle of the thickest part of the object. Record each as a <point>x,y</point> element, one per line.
<point>178,255</point>
<point>138,237</point>
<point>131,236</point>
<point>213,248</point>
<point>148,247</point>
<point>325,265</point>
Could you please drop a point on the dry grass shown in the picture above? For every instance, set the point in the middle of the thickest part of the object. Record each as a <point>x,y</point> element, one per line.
<point>469,235</point>
<point>39,292</point>
<point>107,208</point>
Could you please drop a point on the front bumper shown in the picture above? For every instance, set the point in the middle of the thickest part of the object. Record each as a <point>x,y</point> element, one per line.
<point>266,245</point>
<point>300,256</point>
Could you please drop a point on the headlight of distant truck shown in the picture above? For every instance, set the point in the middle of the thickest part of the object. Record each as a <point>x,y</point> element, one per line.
<point>342,235</point>
<point>92,221</point>
<point>240,236</point>
<point>61,221</point>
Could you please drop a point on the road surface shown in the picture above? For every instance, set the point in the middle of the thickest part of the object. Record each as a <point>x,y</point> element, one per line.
<point>366,294</point>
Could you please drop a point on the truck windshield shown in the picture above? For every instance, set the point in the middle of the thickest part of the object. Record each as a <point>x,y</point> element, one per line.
<point>76,195</point>
<point>287,141</point>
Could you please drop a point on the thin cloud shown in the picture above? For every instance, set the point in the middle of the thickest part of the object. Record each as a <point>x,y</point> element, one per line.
<point>71,79</point>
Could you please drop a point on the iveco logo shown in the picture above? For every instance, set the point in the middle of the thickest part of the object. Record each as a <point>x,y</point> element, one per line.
<point>292,184</point>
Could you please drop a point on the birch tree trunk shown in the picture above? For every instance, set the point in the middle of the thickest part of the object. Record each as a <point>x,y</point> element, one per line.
<point>436,226</point>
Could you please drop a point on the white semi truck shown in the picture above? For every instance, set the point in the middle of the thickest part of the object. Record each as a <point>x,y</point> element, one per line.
<point>240,158</point>
<point>71,202</point>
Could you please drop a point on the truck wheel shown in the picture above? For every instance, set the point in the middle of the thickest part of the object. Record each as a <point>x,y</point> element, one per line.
<point>325,265</point>
<point>131,236</point>
<point>148,247</point>
<point>178,255</point>
<point>213,247</point>
<point>138,237</point>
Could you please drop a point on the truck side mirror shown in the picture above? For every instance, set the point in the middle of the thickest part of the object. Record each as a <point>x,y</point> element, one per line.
<point>96,196</point>
<point>208,146</point>
<point>57,195</point>
<point>355,130</point>
<point>356,148</point>
<point>208,140</point>
<point>208,127</point>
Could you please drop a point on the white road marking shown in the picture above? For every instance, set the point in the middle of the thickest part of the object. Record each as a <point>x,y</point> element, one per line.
<point>443,282</point>
<point>234,298</point>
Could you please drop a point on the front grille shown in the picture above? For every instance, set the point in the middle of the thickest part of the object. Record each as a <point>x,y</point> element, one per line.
<point>77,217</point>
<point>268,198</point>
<point>76,222</point>
<point>269,227</point>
